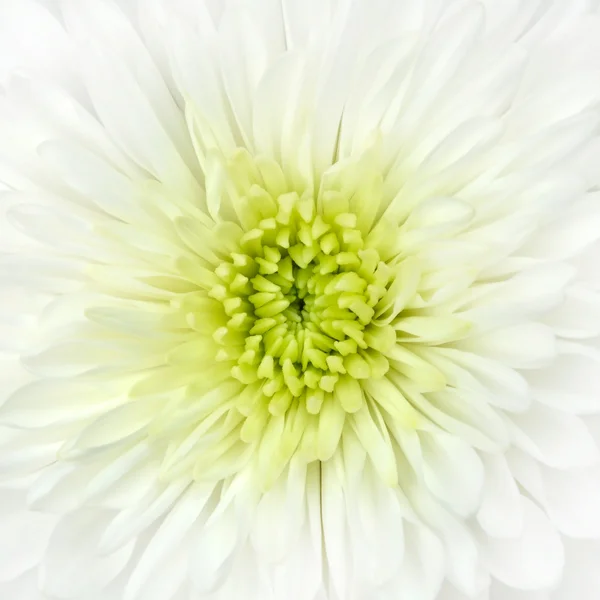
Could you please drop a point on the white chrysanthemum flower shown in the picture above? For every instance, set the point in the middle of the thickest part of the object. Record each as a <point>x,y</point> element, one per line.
<point>300,300</point>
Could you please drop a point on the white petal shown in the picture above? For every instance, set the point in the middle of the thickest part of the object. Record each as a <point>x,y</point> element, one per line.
<point>277,130</point>
<point>527,471</point>
<point>572,500</point>
<point>102,21</point>
<point>524,346</point>
<point>59,487</point>
<point>93,177</point>
<point>22,455</point>
<point>130,490</point>
<point>422,572</point>
<point>578,316</point>
<point>503,592</point>
<point>192,55</point>
<point>72,566</point>
<point>507,388</point>
<point>451,593</point>
<point>116,471</point>
<point>243,58</point>
<point>49,402</point>
<point>53,227</point>
<point>453,472</point>
<point>32,39</point>
<point>376,530</point>
<point>437,63</point>
<point>299,576</point>
<point>335,531</point>
<point>124,423</point>
<point>24,537</point>
<point>369,426</point>
<point>526,294</point>
<point>572,383</point>
<point>300,21</point>
<point>131,119</point>
<point>45,274</point>
<point>165,541</point>
<point>572,233</point>
<point>23,588</point>
<point>214,551</point>
<point>581,578</point>
<point>501,513</point>
<point>463,561</point>
<point>281,508</point>
<point>468,414</point>
<point>533,560</point>
<point>131,521</point>
<point>555,438</point>
<point>166,581</point>
<point>12,376</point>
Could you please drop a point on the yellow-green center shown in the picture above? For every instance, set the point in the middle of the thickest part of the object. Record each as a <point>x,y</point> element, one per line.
<point>301,293</point>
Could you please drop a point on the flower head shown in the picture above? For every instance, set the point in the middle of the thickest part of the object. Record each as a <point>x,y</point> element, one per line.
<point>300,300</point>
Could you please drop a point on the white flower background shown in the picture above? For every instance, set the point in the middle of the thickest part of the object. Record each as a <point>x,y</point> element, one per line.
<point>441,158</point>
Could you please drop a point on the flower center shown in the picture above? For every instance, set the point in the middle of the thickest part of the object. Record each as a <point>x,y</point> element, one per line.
<point>300,295</point>
<point>302,325</point>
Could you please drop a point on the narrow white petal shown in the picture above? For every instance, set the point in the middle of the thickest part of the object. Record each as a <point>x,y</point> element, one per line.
<point>555,438</point>
<point>572,499</point>
<point>26,536</point>
<point>572,384</point>
<point>501,512</point>
<point>165,541</point>
<point>71,565</point>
